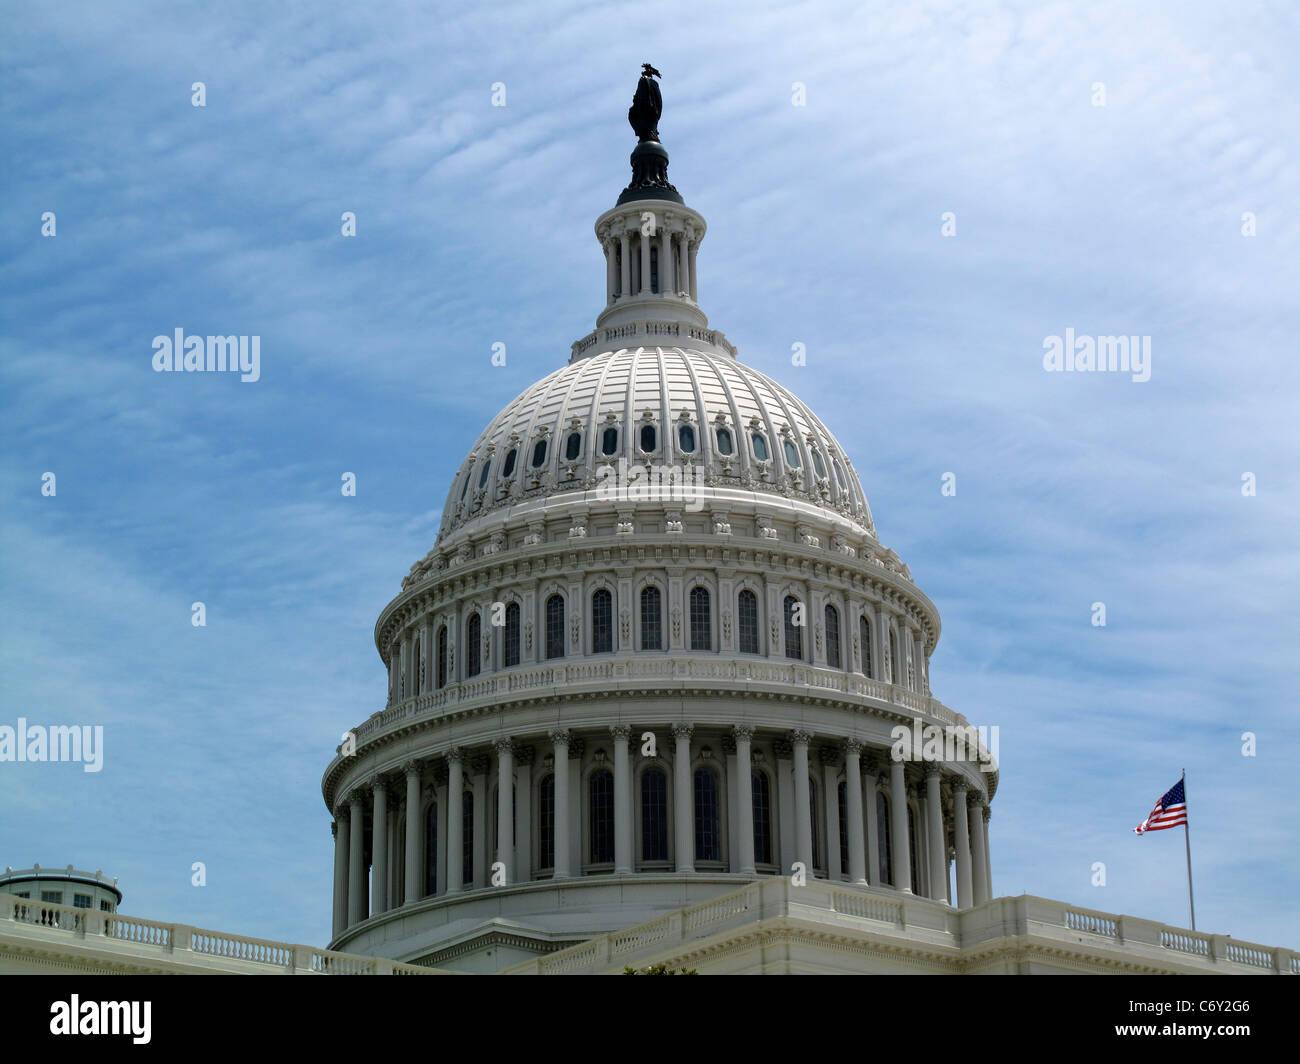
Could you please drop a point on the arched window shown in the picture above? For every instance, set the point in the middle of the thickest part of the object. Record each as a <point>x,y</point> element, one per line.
<point>911,849</point>
<point>894,664</point>
<point>601,807</point>
<point>842,798</point>
<point>555,626</point>
<point>654,815</point>
<point>442,656</point>
<point>609,441</point>
<point>649,439</point>
<point>686,438</point>
<point>791,454</point>
<point>430,851</point>
<point>546,822</point>
<point>539,453</point>
<point>652,625</point>
<point>747,622</point>
<point>708,845</point>
<point>832,636</point>
<point>812,815</point>
<point>467,838</point>
<point>573,446</point>
<point>839,475</point>
<point>762,817</point>
<point>510,642</point>
<point>473,645</point>
<point>793,631</point>
<point>483,475</point>
<point>818,464</point>
<point>864,637</point>
<point>883,840</point>
<point>725,446</point>
<point>760,446</point>
<point>602,622</point>
<point>508,467</point>
<point>701,621</point>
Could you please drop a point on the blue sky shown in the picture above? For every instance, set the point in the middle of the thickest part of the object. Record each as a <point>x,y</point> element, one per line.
<point>474,225</point>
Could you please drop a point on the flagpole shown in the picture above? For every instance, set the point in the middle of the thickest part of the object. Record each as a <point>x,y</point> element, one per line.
<point>1187,838</point>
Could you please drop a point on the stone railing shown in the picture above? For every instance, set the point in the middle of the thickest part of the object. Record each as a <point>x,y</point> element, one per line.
<point>175,946</point>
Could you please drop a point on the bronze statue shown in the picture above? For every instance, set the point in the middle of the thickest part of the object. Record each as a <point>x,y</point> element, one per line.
<point>647,105</point>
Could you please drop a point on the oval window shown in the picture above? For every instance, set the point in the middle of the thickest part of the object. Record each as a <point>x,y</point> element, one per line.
<point>609,441</point>
<point>791,454</point>
<point>539,453</point>
<point>760,447</point>
<point>509,466</point>
<point>818,464</point>
<point>649,440</point>
<point>724,441</point>
<point>686,438</point>
<point>573,446</point>
<point>482,477</point>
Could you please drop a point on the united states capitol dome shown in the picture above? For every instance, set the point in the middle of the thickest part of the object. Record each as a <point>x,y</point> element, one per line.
<point>655,651</point>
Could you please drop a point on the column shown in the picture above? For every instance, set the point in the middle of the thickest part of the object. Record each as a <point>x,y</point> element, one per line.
<point>680,270</point>
<point>979,868</point>
<point>853,805</point>
<point>625,264</point>
<point>478,787</point>
<point>622,799</point>
<point>666,262</point>
<point>695,245</point>
<point>988,857</point>
<point>802,809</point>
<point>744,800</point>
<point>455,818</point>
<point>683,806</point>
<point>560,738</point>
<point>961,831</point>
<point>611,268</point>
<point>831,796</point>
<point>379,835</point>
<point>901,852</point>
<point>341,824</point>
<point>934,822</point>
<point>523,871</point>
<point>875,784</point>
<point>356,855</point>
<point>645,264</point>
<point>414,832</point>
<point>506,806</point>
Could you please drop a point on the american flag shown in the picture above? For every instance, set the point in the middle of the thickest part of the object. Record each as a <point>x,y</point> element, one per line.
<point>1170,811</point>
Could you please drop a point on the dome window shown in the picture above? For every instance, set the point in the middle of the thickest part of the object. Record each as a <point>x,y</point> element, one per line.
<point>725,445</point>
<point>839,475</point>
<point>818,464</point>
<point>686,439</point>
<point>649,439</point>
<point>573,446</point>
<point>482,477</point>
<point>464,488</point>
<point>760,447</point>
<point>791,454</point>
<point>509,466</point>
<point>609,441</point>
<point>539,453</point>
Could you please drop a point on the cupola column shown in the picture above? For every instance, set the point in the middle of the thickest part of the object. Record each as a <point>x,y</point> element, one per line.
<point>622,800</point>
<point>898,828</point>
<point>802,803</point>
<point>934,823</point>
<point>506,804</point>
<point>560,739</point>
<point>979,867</point>
<point>356,857</point>
<point>666,261</point>
<point>695,246</point>
<point>683,809</point>
<point>342,822</point>
<point>414,822</point>
<point>645,265</point>
<point>744,800</point>
<point>625,264</point>
<point>961,830</point>
<point>611,269</point>
<point>455,819</point>
<point>853,809</point>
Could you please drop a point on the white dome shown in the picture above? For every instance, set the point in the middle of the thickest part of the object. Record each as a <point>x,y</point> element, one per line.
<point>732,426</point>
